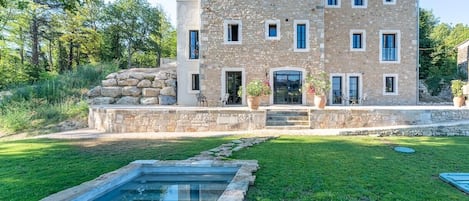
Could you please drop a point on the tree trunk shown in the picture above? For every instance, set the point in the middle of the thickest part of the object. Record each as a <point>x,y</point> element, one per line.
<point>51,61</point>
<point>129,57</point>
<point>35,42</point>
<point>70,56</point>
<point>77,58</point>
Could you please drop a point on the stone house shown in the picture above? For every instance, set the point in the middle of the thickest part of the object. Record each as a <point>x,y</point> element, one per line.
<point>369,48</point>
<point>463,56</point>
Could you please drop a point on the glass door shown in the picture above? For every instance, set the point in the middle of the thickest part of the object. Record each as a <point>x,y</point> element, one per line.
<point>233,83</point>
<point>287,87</point>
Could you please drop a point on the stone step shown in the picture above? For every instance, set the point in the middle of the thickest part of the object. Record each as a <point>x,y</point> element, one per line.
<point>283,123</point>
<point>287,113</point>
<point>288,127</point>
<point>287,118</point>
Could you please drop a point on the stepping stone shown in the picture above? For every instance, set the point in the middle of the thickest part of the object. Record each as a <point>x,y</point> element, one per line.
<point>406,150</point>
<point>459,180</point>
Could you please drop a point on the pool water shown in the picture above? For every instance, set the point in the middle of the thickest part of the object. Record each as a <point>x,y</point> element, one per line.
<point>174,184</point>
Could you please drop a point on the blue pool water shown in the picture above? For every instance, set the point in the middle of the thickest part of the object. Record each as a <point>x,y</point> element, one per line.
<point>174,184</point>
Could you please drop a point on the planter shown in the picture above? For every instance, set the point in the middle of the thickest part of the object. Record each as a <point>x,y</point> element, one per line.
<point>253,102</point>
<point>458,101</point>
<point>320,101</point>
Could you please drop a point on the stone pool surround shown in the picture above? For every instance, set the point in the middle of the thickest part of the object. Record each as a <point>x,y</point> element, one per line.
<point>407,120</point>
<point>235,191</point>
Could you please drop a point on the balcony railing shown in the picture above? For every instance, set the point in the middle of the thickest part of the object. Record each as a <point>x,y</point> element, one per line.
<point>389,54</point>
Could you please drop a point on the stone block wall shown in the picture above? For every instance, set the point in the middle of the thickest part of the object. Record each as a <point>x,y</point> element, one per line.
<point>152,86</point>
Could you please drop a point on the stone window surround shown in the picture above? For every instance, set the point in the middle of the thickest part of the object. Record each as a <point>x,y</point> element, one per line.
<point>396,85</point>
<point>295,23</point>
<point>333,6</point>
<point>189,86</point>
<point>240,32</point>
<point>392,2</point>
<point>269,22</point>
<point>398,46</point>
<point>223,80</point>
<point>342,75</point>
<point>360,31</point>
<point>365,4</point>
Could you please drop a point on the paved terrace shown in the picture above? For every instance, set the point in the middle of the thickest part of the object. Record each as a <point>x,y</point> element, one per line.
<point>178,121</point>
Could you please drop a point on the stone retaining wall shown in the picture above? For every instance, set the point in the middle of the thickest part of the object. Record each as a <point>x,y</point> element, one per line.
<point>415,131</point>
<point>145,86</point>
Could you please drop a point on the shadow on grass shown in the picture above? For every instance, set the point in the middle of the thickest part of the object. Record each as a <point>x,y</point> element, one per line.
<point>33,169</point>
<point>356,168</point>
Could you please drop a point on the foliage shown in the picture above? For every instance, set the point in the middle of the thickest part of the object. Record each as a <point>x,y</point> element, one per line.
<point>456,87</point>
<point>256,88</point>
<point>55,99</point>
<point>34,169</point>
<point>355,168</point>
<point>318,83</point>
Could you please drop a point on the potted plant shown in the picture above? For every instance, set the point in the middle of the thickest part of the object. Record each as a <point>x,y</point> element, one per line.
<point>319,85</point>
<point>254,90</point>
<point>457,90</point>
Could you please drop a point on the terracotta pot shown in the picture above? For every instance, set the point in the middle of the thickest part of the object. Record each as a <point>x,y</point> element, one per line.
<point>320,101</point>
<point>458,101</point>
<point>253,102</point>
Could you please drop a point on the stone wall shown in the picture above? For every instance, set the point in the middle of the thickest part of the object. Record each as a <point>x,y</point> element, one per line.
<point>150,86</point>
<point>463,57</point>
<point>147,119</point>
<point>415,131</point>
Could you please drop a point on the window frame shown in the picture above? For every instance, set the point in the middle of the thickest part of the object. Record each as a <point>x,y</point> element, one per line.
<point>395,84</point>
<point>397,40</point>
<point>363,40</point>
<point>392,2</point>
<point>226,25</point>
<point>365,4</point>
<point>331,5</point>
<point>342,86</point>
<point>360,88</point>
<point>267,29</point>
<point>191,85</point>
<point>295,36</point>
<point>196,45</point>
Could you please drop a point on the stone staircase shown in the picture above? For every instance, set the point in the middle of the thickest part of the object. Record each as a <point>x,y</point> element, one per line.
<point>287,119</point>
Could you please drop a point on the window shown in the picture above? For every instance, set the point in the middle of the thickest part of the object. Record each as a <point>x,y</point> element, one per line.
<point>337,88</point>
<point>233,32</point>
<point>389,47</point>
<point>272,30</point>
<point>195,86</point>
<point>359,3</point>
<point>357,40</point>
<point>390,84</point>
<point>389,2</point>
<point>193,44</point>
<point>333,3</point>
<point>301,36</point>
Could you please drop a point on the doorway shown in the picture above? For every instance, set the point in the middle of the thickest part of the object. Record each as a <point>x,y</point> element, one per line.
<point>234,80</point>
<point>287,87</point>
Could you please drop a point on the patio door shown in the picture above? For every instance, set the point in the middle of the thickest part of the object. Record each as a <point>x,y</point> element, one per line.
<point>287,87</point>
<point>234,80</point>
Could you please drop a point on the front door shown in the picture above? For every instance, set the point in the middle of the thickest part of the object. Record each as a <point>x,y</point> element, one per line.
<point>287,87</point>
<point>234,80</point>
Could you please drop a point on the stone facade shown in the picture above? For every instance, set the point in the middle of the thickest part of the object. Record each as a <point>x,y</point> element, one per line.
<point>463,56</point>
<point>151,86</point>
<point>254,54</point>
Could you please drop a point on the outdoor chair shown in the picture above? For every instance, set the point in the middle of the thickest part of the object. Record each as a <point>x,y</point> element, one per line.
<point>201,100</point>
<point>224,99</point>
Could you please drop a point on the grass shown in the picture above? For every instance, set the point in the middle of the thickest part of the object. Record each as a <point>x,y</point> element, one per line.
<point>292,168</point>
<point>356,168</point>
<point>34,169</point>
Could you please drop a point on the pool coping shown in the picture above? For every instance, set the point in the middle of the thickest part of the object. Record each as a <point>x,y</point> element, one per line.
<point>235,191</point>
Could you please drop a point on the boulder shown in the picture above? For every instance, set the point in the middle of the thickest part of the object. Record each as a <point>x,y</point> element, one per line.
<point>168,91</point>
<point>149,101</point>
<point>128,82</point>
<point>111,76</point>
<point>111,91</point>
<point>128,100</point>
<point>158,84</point>
<point>138,76</point>
<point>94,92</point>
<point>167,100</point>
<point>123,76</point>
<point>144,84</point>
<point>150,92</point>
<point>101,101</point>
<point>131,91</point>
<point>170,83</point>
<point>161,75</point>
<point>150,77</point>
<point>109,82</point>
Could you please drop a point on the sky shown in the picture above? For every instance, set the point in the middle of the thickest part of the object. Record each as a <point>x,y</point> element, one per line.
<point>448,11</point>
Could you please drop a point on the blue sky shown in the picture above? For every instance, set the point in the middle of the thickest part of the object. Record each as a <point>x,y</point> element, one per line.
<point>448,11</point>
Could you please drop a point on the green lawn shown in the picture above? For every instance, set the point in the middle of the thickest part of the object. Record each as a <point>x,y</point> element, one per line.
<point>34,169</point>
<point>292,168</point>
<point>356,168</point>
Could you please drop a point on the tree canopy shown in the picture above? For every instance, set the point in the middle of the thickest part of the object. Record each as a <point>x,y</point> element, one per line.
<point>42,36</point>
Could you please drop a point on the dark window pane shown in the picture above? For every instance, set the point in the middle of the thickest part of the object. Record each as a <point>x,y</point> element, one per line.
<point>358,2</point>
<point>195,82</point>
<point>336,90</point>
<point>389,51</point>
<point>390,85</point>
<point>301,36</point>
<point>233,32</point>
<point>354,90</point>
<point>272,30</point>
<point>332,2</point>
<point>357,41</point>
<point>193,44</point>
